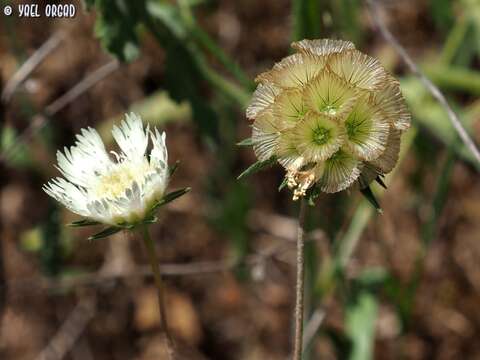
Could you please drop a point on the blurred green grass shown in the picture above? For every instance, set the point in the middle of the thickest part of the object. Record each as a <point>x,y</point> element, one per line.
<point>189,49</point>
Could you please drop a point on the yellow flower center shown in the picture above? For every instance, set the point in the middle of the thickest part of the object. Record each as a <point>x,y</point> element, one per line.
<point>114,183</point>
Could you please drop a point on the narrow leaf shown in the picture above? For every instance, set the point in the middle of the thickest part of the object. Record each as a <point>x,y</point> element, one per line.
<point>83,222</point>
<point>283,184</point>
<point>312,194</point>
<point>171,196</point>
<point>381,182</point>
<point>256,167</point>
<point>246,142</point>
<point>367,192</point>
<point>105,232</point>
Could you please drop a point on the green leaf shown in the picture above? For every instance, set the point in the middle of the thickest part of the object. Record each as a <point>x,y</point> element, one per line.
<point>361,313</point>
<point>246,142</point>
<point>256,167</point>
<point>312,194</point>
<point>441,11</point>
<point>83,222</point>
<point>360,324</point>
<point>307,21</point>
<point>380,181</point>
<point>170,197</point>
<point>105,233</point>
<point>283,184</point>
<point>367,192</point>
<point>116,25</point>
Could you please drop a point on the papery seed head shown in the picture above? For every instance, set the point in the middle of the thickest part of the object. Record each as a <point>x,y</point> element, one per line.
<point>331,115</point>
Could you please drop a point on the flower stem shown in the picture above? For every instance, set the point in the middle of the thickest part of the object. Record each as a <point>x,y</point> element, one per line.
<point>298,340</point>
<point>154,263</point>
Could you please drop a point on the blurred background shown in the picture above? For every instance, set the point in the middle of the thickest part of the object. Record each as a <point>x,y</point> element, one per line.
<point>401,285</point>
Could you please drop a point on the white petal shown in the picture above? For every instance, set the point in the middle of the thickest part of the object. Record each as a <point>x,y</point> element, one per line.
<point>159,154</point>
<point>85,160</point>
<point>158,180</point>
<point>71,196</point>
<point>154,187</point>
<point>101,210</point>
<point>131,137</point>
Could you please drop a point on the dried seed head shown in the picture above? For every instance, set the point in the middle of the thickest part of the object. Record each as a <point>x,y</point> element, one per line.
<point>331,115</point>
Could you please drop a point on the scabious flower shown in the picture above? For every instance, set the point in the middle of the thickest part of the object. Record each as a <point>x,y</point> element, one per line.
<point>330,115</point>
<point>120,190</point>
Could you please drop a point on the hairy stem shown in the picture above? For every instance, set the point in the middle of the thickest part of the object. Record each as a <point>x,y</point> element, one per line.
<point>300,288</point>
<point>154,263</point>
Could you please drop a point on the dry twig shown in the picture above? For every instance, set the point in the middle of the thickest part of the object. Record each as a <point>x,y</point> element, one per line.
<point>434,90</point>
<point>30,65</point>
<point>40,120</point>
<point>70,331</point>
<point>312,326</point>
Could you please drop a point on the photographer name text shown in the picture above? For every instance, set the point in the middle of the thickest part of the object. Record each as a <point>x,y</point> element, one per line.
<point>36,11</point>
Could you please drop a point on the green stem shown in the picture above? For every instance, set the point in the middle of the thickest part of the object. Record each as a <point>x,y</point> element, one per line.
<point>154,263</point>
<point>300,287</point>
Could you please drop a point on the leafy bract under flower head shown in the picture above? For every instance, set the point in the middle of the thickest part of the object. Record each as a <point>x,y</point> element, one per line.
<point>331,115</point>
<point>118,190</point>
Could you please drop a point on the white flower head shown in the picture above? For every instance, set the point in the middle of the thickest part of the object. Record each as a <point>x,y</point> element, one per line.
<point>116,191</point>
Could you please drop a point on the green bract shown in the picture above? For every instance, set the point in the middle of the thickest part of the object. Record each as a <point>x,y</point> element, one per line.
<point>330,115</point>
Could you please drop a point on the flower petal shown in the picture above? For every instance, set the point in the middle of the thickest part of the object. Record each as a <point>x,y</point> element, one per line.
<point>367,131</point>
<point>71,196</point>
<point>318,136</point>
<point>265,134</point>
<point>340,171</point>
<point>389,98</point>
<point>289,107</point>
<point>322,46</point>
<point>358,69</point>
<point>156,182</point>
<point>287,152</point>
<point>262,97</point>
<point>82,163</point>
<point>387,161</point>
<point>293,71</point>
<point>131,137</point>
<point>159,154</point>
<point>329,94</point>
